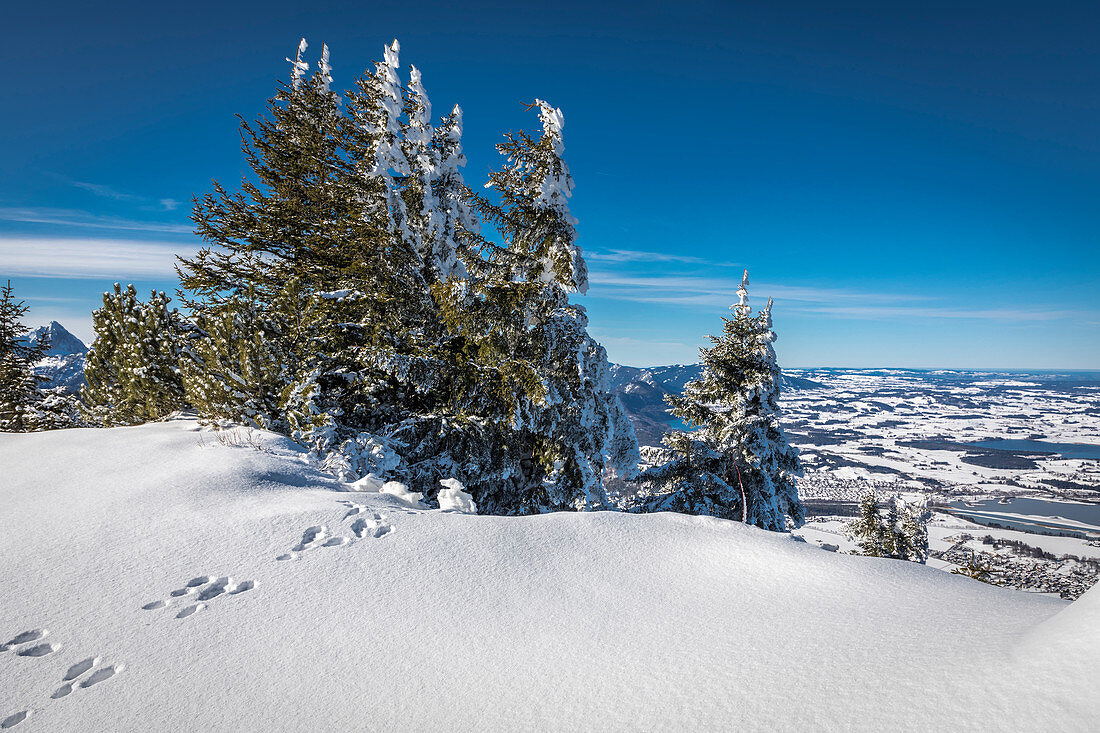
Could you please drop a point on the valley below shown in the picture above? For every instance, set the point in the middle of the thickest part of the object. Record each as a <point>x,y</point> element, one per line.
<point>1008,461</point>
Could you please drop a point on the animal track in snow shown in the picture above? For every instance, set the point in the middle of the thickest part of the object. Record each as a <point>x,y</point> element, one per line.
<point>311,537</point>
<point>190,610</point>
<point>315,536</point>
<point>24,638</point>
<point>203,589</point>
<point>353,509</point>
<point>80,668</point>
<point>15,719</point>
<point>38,650</point>
<point>377,527</point>
<point>101,675</point>
<point>362,527</point>
<point>73,681</point>
<point>78,676</point>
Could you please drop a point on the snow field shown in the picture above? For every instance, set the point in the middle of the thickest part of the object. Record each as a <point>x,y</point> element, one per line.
<point>447,621</point>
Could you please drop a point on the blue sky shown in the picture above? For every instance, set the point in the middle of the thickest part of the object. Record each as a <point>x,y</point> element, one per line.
<point>916,185</point>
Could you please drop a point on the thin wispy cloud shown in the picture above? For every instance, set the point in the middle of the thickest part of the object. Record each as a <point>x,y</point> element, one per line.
<point>48,298</point>
<point>86,220</point>
<point>631,255</point>
<point>985,314</point>
<point>88,258</point>
<point>106,192</point>
<point>700,290</point>
<point>152,203</point>
<point>649,351</point>
<point>719,293</point>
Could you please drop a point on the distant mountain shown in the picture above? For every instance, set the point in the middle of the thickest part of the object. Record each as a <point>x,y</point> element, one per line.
<point>64,362</point>
<point>643,389</point>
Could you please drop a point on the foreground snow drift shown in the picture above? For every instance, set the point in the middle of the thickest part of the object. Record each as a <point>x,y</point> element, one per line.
<point>170,582</point>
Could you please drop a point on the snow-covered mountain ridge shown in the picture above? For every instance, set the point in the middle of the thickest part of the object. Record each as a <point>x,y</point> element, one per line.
<point>388,616</point>
<point>63,365</point>
<point>643,389</point>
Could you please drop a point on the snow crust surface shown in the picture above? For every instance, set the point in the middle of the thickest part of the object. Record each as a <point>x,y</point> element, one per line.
<point>173,583</point>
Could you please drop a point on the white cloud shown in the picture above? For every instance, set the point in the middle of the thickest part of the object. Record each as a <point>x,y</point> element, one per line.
<point>82,219</point>
<point>109,192</point>
<point>89,258</point>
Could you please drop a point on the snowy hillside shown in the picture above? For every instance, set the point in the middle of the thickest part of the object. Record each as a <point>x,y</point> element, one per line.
<point>63,365</point>
<point>143,590</point>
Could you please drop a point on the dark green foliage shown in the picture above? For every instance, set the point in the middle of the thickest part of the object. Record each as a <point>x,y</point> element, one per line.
<point>235,368</point>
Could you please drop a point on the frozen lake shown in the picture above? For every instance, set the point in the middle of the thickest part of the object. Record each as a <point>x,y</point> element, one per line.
<point>1034,515</point>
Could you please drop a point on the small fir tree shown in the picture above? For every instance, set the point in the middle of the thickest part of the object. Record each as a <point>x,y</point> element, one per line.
<point>132,371</point>
<point>868,530</point>
<point>738,464</point>
<point>20,396</point>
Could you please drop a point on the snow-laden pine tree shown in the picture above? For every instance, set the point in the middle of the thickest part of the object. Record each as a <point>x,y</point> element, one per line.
<point>20,396</point>
<point>375,369</point>
<point>434,192</point>
<point>563,428</point>
<point>458,223</point>
<point>738,463</point>
<point>320,257</point>
<point>132,372</point>
<point>433,408</point>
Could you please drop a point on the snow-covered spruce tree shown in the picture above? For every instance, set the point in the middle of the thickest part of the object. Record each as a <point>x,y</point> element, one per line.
<point>392,373</point>
<point>458,224</point>
<point>132,370</point>
<point>562,427</point>
<point>738,464</point>
<point>20,396</point>
<point>914,529</point>
<point>902,533</point>
<point>434,192</point>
